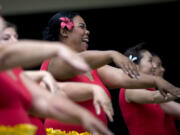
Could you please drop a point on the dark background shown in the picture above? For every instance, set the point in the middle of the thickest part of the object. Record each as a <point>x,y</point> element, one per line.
<point>118,29</point>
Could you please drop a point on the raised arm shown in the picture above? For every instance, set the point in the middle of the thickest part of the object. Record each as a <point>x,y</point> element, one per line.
<point>143,96</point>
<point>115,78</point>
<point>95,59</point>
<point>30,53</point>
<point>48,105</point>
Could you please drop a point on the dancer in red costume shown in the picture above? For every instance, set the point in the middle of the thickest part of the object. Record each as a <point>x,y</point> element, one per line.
<point>141,109</point>
<point>70,28</point>
<point>42,103</point>
<point>99,96</point>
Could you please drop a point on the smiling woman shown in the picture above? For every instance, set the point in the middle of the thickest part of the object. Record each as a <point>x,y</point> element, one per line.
<point>76,37</point>
<point>64,26</point>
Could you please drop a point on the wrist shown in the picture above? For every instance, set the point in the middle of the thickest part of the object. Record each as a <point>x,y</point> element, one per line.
<point>93,90</point>
<point>112,54</point>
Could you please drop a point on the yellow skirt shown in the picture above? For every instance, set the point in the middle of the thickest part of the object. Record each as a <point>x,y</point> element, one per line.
<point>51,131</point>
<point>20,129</point>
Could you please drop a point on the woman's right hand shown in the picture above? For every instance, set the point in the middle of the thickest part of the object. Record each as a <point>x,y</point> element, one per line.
<point>101,99</point>
<point>93,125</point>
<point>125,64</point>
<point>165,87</point>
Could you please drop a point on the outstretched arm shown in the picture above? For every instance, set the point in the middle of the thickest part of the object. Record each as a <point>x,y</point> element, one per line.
<point>95,59</point>
<point>115,78</point>
<point>143,96</point>
<point>84,91</point>
<point>75,91</point>
<point>48,105</point>
<point>30,53</point>
<point>171,108</point>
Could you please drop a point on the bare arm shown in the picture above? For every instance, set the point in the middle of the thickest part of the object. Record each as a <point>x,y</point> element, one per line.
<point>83,92</point>
<point>146,96</point>
<point>76,91</point>
<point>45,105</point>
<point>30,53</point>
<point>171,108</point>
<point>95,59</point>
<point>37,76</point>
<point>115,78</point>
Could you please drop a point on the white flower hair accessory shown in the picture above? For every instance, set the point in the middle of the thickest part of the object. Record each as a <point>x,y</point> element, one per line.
<point>132,58</point>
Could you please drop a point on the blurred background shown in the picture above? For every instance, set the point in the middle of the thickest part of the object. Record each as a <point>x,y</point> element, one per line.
<point>114,25</point>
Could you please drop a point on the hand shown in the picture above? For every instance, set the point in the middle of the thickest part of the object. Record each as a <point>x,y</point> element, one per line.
<point>165,87</point>
<point>125,64</point>
<point>93,125</point>
<point>101,99</point>
<point>71,57</point>
<point>49,83</point>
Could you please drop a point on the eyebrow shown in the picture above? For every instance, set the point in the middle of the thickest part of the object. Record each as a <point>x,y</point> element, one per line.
<point>82,23</point>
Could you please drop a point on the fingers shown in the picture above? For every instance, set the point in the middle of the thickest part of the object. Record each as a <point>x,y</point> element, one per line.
<point>135,71</point>
<point>97,107</point>
<point>106,106</point>
<point>102,130</point>
<point>163,93</point>
<point>131,70</point>
<point>175,92</point>
<point>99,129</point>
<point>108,109</point>
<point>125,70</point>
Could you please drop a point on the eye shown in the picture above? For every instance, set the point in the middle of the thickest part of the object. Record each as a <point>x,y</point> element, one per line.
<point>150,60</point>
<point>82,26</point>
<point>6,37</point>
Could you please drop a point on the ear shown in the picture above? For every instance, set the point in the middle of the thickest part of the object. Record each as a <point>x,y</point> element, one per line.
<point>64,33</point>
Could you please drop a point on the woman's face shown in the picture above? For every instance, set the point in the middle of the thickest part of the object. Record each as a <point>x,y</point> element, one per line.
<point>158,69</point>
<point>145,64</point>
<point>79,36</point>
<point>9,35</point>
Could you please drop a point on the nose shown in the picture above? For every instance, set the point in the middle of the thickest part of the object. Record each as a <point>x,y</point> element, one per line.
<point>14,39</point>
<point>163,69</point>
<point>87,32</point>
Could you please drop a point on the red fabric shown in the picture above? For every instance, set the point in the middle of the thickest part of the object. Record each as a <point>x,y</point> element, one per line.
<point>15,99</point>
<point>45,64</point>
<point>146,119</point>
<point>39,124</point>
<point>49,123</point>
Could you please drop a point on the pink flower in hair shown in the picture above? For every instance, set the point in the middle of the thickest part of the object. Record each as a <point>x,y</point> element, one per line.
<point>66,22</point>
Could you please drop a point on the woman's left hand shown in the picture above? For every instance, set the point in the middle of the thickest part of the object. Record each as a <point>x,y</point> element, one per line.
<point>50,84</point>
<point>125,64</point>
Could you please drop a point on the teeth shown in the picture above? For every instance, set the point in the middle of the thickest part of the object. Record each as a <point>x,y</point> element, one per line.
<point>86,40</point>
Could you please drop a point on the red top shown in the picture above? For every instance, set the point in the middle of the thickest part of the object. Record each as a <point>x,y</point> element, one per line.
<point>39,124</point>
<point>49,123</point>
<point>15,99</point>
<point>146,119</point>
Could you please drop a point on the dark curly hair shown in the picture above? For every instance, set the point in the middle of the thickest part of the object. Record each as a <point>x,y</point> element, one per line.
<point>136,52</point>
<point>52,31</point>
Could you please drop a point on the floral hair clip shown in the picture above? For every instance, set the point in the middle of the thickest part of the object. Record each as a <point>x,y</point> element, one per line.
<point>66,22</point>
<point>132,58</point>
